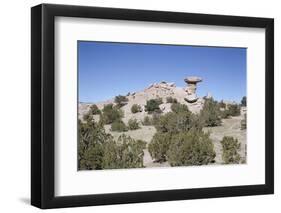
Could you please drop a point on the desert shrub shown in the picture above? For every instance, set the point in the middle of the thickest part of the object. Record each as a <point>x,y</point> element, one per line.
<point>244,123</point>
<point>155,118</point>
<point>171,100</point>
<point>191,148</point>
<point>210,113</point>
<point>244,101</point>
<point>230,148</point>
<point>94,110</point>
<point>180,119</point>
<point>224,114</point>
<point>133,124</point>
<point>159,146</point>
<point>152,105</point>
<point>178,108</point>
<point>182,130</point>
<point>121,100</point>
<point>147,121</point>
<point>92,138</point>
<point>174,122</point>
<point>125,153</point>
<point>222,104</point>
<point>111,113</point>
<point>136,108</point>
<point>87,117</point>
<point>162,124</point>
<point>101,121</point>
<point>118,126</point>
<point>233,109</point>
<point>196,123</point>
<point>98,150</point>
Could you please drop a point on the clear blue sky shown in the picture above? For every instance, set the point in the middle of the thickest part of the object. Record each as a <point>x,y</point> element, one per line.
<point>108,69</point>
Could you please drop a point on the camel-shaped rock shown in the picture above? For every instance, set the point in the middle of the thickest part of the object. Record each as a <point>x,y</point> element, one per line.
<point>191,88</point>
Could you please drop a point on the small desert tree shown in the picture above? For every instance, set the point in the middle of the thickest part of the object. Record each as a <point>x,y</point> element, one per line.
<point>152,105</point>
<point>133,124</point>
<point>230,148</point>
<point>191,148</point>
<point>178,108</point>
<point>98,150</point>
<point>244,101</point>
<point>118,126</point>
<point>222,104</point>
<point>94,110</point>
<point>87,117</point>
<point>147,121</point>
<point>136,108</point>
<point>111,113</point>
<point>210,114</point>
<point>159,146</point>
<point>125,153</point>
<point>180,119</point>
<point>233,109</point>
<point>155,118</point>
<point>121,100</point>
<point>174,122</point>
<point>92,138</point>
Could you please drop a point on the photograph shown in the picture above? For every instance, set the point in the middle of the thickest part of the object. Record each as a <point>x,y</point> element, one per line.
<point>160,105</point>
<point>148,105</point>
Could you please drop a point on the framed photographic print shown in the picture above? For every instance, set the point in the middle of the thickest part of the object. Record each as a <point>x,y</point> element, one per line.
<point>139,106</point>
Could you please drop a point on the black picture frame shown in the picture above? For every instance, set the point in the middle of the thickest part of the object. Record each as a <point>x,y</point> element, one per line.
<point>43,102</point>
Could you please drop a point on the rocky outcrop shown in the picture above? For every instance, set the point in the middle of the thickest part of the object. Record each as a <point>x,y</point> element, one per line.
<point>191,88</point>
<point>162,90</point>
<point>162,85</point>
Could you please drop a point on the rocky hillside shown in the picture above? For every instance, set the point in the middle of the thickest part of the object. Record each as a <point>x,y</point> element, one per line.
<point>153,91</point>
<point>227,126</point>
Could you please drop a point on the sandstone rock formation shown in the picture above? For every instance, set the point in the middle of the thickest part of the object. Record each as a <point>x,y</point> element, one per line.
<point>162,90</point>
<point>191,88</point>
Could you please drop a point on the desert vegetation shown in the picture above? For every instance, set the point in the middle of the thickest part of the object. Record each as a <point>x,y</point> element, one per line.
<point>111,113</point>
<point>133,124</point>
<point>176,133</point>
<point>231,110</point>
<point>94,110</point>
<point>180,139</point>
<point>147,121</point>
<point>119,126</point>
<point>171,100</point>
<point>98,150</point>
<point>244,101</point>
<point>191,148</point>
<point>152,106</point>
<point>120,100</point>
<point>210,114</point>
<point>136,108</point>
<point>230,147</point>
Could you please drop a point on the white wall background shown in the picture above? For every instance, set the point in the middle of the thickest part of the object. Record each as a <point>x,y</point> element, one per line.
<point>15,105</point>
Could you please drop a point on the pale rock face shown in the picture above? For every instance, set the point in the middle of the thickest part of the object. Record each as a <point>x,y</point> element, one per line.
<point>191,97</point>
<point>191,88</point>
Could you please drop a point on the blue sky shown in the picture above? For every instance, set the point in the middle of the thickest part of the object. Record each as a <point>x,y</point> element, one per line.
<point>107,69</point>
